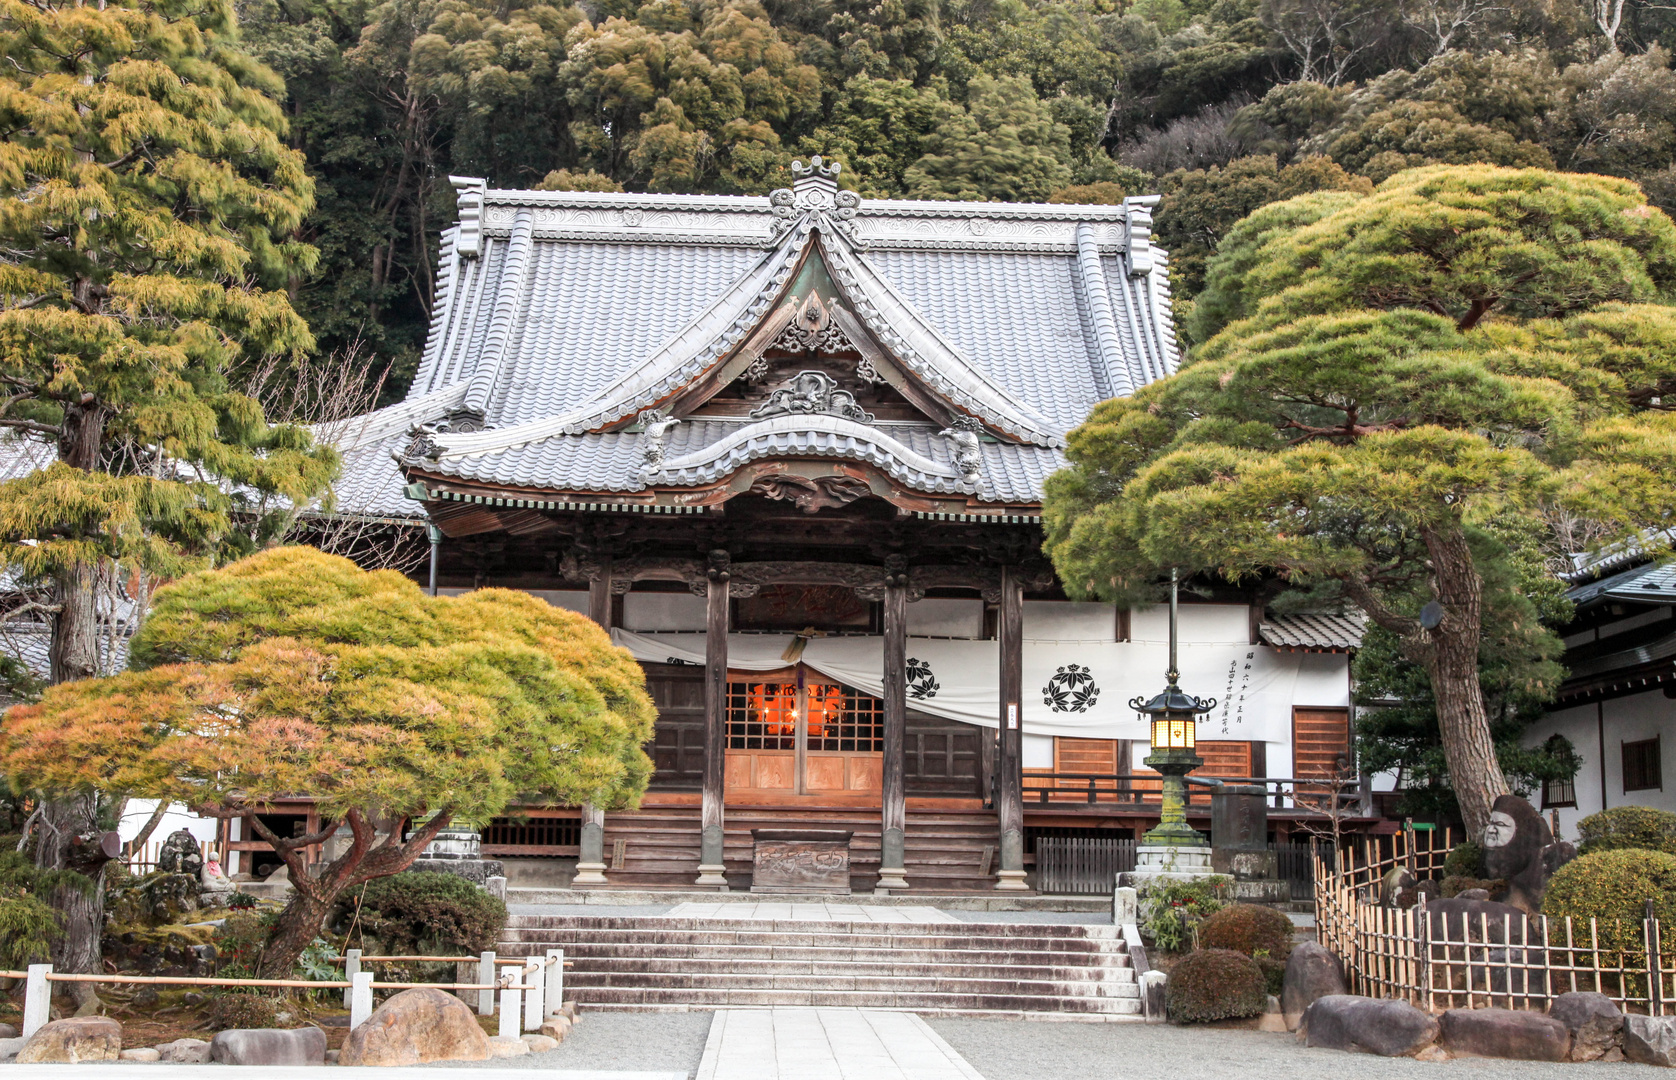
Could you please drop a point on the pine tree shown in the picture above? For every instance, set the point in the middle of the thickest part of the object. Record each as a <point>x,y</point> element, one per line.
<point>147,208</point>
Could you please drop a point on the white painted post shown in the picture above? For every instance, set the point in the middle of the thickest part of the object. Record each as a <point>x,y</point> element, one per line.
<point>534,1013</point>
<point>351,968</point>
<point>555,981</point>
<point>511,1008</point>
<point>486,977</point>
<point>37,999</point>
<point>360,999</point>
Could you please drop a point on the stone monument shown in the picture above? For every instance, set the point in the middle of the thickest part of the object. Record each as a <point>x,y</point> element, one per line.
<point>1520,849</point>
<point>1239,844</point>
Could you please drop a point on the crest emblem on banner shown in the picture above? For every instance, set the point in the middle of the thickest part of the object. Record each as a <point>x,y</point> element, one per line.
<point>921,683</point>
<point>1071,689</point>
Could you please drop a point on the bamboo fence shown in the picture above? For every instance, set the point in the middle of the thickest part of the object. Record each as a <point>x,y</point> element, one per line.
<point>1438,961</point>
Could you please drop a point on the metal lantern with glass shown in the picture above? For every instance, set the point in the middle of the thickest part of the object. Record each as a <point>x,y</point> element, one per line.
<point>1174,718</point>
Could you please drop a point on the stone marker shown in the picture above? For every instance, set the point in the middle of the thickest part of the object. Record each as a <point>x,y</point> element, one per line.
<point>185,1051</point>
<point>81,1038</point>
<point>507,1046</point>
<point>269,1046</point>
<point>1651,1040</point>
<point>181,854</point>
<point>1386,1028</point>
<point>414,1027</point>
<point>1520,849</point>
<point>1312,971</point>
<point>140,1053</point>
<point>1152,996</point>
<point>1595,1022</point>
<point>1505,1033</point>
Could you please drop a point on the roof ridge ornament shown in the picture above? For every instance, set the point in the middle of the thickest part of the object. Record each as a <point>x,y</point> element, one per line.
<point>963,432</point>
<point>812,392</point>
<point>814,193</point>
<point>812,329</point>
<point>655,427</point>
<point>468,244</point>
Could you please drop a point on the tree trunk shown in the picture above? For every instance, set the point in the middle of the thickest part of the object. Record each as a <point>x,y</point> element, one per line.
<point>297,925</point>
<point>1450,657</point>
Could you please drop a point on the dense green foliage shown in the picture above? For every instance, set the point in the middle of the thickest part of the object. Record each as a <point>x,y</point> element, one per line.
<point>1251,929</point>
<point>1614,887</point>
<point>1214,984</point>
<point>28,923</point>
<point>415,914</point>
<point>1221,106</point>
<point>1171,912</point>
<point>1628,827</point>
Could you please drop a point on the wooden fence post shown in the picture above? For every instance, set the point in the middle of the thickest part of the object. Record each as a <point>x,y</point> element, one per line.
<point>37,999</point>
<point>555,981</point>
<point>1655,967</point>
<point>486,977</point>
<point>351,968</point>
<point>360,999</point>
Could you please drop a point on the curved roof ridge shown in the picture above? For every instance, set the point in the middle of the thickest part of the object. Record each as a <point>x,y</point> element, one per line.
<point>380,424</point>
<point>510,289</point>
<point>703,342</point>
<point>912,340</point>
<point>1111,375</point>
<point>845,438</point>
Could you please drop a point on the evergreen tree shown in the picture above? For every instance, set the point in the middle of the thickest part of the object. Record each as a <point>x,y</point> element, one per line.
<point>1004,147</point>
<point>148,206</point>
<point>1414,371</point>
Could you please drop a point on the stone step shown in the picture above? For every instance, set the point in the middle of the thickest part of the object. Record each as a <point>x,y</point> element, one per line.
<point>771,939</point>
<point>1041,1016</point>
<point>991,986</point>
<point>723,965</point>
<point>952,931</point>
<point>684,956</point>
<point>933,1003</point>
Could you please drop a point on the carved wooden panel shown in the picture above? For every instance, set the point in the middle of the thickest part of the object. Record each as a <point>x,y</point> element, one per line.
<point>824,773</point>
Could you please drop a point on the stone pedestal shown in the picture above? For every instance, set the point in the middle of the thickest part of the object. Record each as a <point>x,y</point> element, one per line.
<point>1239,836</point>
<point>590,863</point>
<point>459,852</point>
<point>806,861</point>
<point>1157,863</point>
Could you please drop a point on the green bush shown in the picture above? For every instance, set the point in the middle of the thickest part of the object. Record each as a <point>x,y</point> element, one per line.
<point>1261,933</point>
<point>1628,827</point>
<point>241,1009</point>
<point>1214,984</point>
<point>1455,886</point>
<point>429,913</point>
<point>1466,860</point>
<point>1613,887</point>
<point>1171,912</point>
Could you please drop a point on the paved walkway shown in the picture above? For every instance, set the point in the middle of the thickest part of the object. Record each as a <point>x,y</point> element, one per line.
<point>789,912</point>
<point>827,1044</point>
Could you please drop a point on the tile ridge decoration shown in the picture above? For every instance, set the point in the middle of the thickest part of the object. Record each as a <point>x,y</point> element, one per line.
<point>1111,375</point>
<point>509,296</point>
<point>812,392</point>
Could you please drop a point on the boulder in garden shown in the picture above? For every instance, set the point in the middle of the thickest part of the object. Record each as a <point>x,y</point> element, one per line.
<point>184,1052</point>
<point>1651,1040</point>
<point>269,1046</point>
<point>81,1038</point>
<point>1386,1028</point>
<point>140,1053</point>
<point>1594,1020</point>
<point>414,1027</point>
<point>507,1046</point>
<point>1312,971</point>
<point>1505,1033</point>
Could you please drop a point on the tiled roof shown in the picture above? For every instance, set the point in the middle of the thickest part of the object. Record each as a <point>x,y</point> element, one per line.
<point>1650,584</point>
<point>1325,632</point>
<point>561,315</point>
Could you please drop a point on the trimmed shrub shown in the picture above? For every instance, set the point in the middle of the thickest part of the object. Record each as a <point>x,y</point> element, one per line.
<point>1628,827</point>
<point>1261,933</point>
<point>1455,886</point>
<point>1466,860</point>
<point>237,1009</point>
<point>1214,984</point>
<point>1171,912</point>
<point>421,912</point>
<point>1614,887</point>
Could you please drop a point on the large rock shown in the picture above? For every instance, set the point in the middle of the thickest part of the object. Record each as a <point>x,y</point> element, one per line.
<point>1650,1040</point>
<point>81,1038</point>
<point>181,854</point>
<point>1479,921</point>
<point>414,1027</point>
<point>184,1052</point>
<point>1505,1033</point>
<point>1312,971</point>
<point>1594,1020</point>
<point>269,1046</point>
<point>1386,1028</point>
<point>508,1046</point>
<point>1520,850</point>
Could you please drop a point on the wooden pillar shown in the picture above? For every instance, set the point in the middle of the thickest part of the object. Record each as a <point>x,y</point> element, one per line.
<point>1009,800</point>
<point>710,859</point>
<point>590,862</point>
<point>894,813</point>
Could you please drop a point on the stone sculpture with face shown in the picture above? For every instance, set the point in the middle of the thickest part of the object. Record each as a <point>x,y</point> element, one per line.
<point>1520,850</point>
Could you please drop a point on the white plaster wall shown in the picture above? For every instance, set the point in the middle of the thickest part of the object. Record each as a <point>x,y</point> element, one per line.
<point>670,611</point>
<point>953,618</point>
<point>1067,620</point>
<point>1626,719</point>
<point>1202,623</point>
<point>1038,752</point>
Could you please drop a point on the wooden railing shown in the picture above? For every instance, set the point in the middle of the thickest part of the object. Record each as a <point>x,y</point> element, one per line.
<point>1439,961</point>
<point>1136,789</point>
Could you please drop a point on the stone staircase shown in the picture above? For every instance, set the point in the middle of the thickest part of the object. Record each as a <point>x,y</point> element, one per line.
<point>939,968</point>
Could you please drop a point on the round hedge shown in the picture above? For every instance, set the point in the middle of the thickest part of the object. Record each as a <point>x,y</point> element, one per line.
<point>1214,984</point>
<point>1628,827</point>
<point>1614,887</point>
<point>1251,929</point>
<point>1465,860</point>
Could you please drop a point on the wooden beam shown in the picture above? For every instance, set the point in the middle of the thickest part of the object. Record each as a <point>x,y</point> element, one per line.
<point>894,817</point>
<point>599,594</point>
<point>711,868</point>
<point>1010,794</point>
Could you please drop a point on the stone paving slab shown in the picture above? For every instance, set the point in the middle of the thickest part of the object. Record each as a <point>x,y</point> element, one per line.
<point>827,1044</point>
<point>105,1070</point>
<point>816,912</point>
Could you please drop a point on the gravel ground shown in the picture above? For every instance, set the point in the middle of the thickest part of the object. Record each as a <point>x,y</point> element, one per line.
<point>617,1042</point>
<point>1036,1050</point>
<point>591,910</point>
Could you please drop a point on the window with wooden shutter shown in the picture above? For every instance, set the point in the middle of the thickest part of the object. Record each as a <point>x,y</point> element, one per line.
<point>1321,743</point>
<point>1642,771</point>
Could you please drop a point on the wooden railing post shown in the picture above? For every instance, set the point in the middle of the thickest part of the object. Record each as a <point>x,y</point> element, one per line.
<point>360,999</point>
<point>37,999</point>
<point>555,981</point>
<point>351,968</point>
<point>511,1009</point>
<point>534,1012</point>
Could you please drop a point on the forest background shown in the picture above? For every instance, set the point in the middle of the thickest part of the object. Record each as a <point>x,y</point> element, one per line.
<point>1221,106</point>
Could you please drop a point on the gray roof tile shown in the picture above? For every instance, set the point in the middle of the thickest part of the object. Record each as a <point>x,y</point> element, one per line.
<point>1320,632</point>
